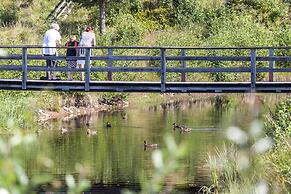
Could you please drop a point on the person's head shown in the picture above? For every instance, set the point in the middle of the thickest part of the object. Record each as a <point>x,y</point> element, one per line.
<point>73,38</point>
<point>55,26</point>
<point>89,29</point>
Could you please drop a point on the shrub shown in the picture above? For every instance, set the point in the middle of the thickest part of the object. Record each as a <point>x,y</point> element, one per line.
<point>128,30</point>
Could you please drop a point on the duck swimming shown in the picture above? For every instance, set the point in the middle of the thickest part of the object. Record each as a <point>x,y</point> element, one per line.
<point>176,126</point>
<point>90,132</point>
<point>64,130</point>
<point>108,124</point>
<point>185,129</point>
<point>182,128</point>
<point>146,145</point>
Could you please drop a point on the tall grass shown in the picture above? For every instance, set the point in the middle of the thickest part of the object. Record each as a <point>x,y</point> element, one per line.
<point>248,166</point>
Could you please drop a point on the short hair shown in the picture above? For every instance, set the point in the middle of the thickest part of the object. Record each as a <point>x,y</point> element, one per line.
<point>73,37</point>
<point>89,28</point>
<point>55,26</point>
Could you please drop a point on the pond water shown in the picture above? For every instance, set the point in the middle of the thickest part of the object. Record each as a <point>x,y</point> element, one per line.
<point>116,157</point>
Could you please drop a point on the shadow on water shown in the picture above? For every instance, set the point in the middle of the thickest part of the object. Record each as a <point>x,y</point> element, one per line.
<point>116,158</point>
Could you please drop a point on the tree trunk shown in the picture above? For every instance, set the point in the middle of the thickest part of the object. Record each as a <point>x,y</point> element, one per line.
<point>102,25</point>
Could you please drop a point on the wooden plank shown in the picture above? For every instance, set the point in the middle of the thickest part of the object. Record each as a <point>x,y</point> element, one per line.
<point>87,68</point>
<point>183,74</point>
<point>150,58</point>
<point>275,58</point>
<point>156,47</point>
<point>163,70</point>
<point>271,65</point>
<point>253,70</point>
<point>146,69</point>
<point>208,58</point>
<point>209,69</point>
<point>125,69</point>
<point>24,68</point>
<point>109,64</point>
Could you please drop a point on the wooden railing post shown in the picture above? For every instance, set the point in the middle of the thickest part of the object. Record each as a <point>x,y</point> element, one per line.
<point>163,69</point>
<point>271,65</point>
<point>183,75</point>
<point>24,67</point>
<point>253,69</point>
<point>87,69</point>
<point>109,64</point>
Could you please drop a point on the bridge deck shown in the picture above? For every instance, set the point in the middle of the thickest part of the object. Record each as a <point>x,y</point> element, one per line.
<point>126,86</point>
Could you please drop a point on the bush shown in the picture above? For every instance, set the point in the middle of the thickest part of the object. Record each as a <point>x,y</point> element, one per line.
<point>127,31</point>
<point>278,126</point>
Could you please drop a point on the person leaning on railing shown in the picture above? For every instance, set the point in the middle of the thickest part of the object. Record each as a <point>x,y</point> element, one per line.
<point>87,39</point>
<point>52,38</point>
<point>72,51</point>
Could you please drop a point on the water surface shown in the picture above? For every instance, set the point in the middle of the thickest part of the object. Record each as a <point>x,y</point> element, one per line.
<point>116,156</point>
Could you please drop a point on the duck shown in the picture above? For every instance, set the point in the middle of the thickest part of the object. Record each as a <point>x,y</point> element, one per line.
<point>124,116</point>
<point>185,129</point>
<point>146,145</point>
<point>182,128</point>
<point>90,132</point>
<point>108,124</point>
<point>176,126</point>
<point>64,130</point>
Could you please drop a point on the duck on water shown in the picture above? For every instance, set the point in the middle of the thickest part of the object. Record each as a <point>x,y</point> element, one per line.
<point>182,128</point>
<point>91,132</point>
<point>147,145</point>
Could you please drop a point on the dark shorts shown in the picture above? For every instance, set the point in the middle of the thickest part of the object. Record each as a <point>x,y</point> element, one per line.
<point>51,63</point>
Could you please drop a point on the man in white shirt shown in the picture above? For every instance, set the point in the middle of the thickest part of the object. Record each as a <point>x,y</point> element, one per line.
<point>52,38</point>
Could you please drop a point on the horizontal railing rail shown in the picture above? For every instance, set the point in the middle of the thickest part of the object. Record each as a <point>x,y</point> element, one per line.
<point>162,55</point>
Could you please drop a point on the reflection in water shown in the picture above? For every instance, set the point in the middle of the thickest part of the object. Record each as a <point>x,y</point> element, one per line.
<point>116,155</point>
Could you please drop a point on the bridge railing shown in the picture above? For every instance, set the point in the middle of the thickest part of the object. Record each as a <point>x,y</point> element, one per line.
<point>161,55</point>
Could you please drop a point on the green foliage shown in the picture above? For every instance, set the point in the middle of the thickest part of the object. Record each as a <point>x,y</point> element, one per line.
<point>155,19</point>
<point>8,16</point>
<point>128,31</point>
<point>187,12</point>
<point>266,11</point>
<point>76,187</point>
<point>237,168</point>
<point>236,30</point>
<point>13,178</point>
<point>16,106</point>
<point>278,125</point>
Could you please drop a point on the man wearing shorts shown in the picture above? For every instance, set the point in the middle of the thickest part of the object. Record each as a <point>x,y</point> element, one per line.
<point>52,38</point>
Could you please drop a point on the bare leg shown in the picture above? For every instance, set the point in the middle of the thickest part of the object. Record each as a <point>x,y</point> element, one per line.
<point>69,74</point>
<point>82,73</point>
<point>54,65</point>
<point>48,65</point>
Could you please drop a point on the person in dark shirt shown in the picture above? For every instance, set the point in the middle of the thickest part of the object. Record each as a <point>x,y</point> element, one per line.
<point>72,51</point>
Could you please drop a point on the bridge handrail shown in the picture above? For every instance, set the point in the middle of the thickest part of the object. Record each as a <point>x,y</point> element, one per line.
<point>154,47</point>
<point>162,57</point>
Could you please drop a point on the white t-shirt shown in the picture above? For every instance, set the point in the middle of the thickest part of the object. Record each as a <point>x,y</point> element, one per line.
<point>88,39</point>
<point>50,39</point>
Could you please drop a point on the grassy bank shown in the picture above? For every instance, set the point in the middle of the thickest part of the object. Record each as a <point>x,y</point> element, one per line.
<point>259,159</point>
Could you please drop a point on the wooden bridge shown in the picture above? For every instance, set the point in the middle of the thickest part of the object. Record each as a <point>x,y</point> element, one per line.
<point>253,68</point>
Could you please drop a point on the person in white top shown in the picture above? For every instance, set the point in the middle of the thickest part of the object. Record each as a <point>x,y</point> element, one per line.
<point>52,38</point>
<point>87,39</point>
